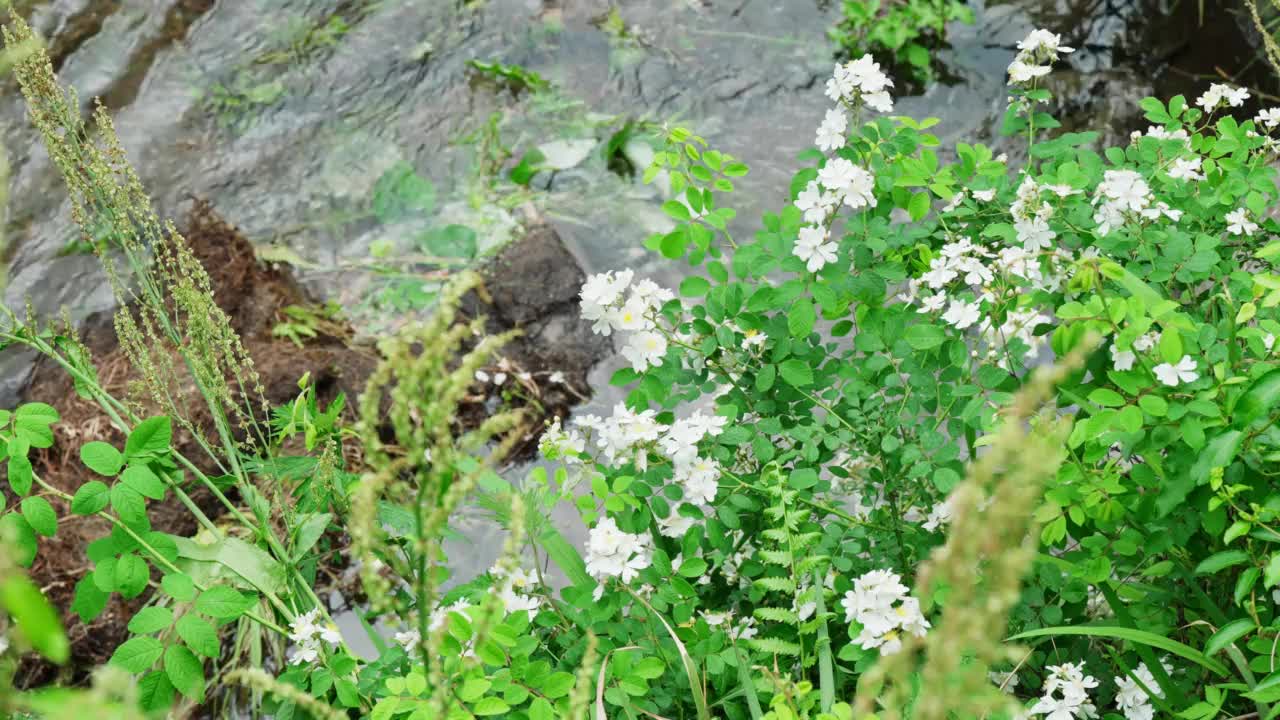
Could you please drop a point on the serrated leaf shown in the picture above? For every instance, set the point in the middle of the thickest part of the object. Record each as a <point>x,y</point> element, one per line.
<point>20,475</point>
<point>142,480</point>
<point>137,654</point>
<point>796,373</point>
<point>223,603</point>
<point>801,318</point>
<point>199,635</point>
<point>178,586</point>
<point>90,498</point>
<point>149,437</point>
<point>101,458</point>
<point>40,515</point>
<point>131,575</point>
<point>130,506</point>
<point>185,671</point>
<point>155,692</point>
<point>150,619</point>
<point>89,600</point>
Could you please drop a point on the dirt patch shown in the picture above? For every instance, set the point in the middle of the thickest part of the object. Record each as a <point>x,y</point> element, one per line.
<point>253,295</point>
<point>531,285</point>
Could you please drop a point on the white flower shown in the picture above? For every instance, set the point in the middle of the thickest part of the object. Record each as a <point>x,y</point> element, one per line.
<point>1268,118</point>
<point>745,629</point>
<point>1218,94</point>
<point>1020,72</point>
<point>1069,681</point>
<point>675,525</point>
<point>1186,168</point>
<point>1122,359</point>
<point>645,349</point>
<point>1268,341</point>
<point>408,639</point>
<point>939,516</point>
<point>1183,372</point>
<point>1146,341</point>
<point>512,587</point>
<point>1238,222</point>
<point>754,339</point>
<point>557,378</point>
<point>984,195</point>
<point>837,174</point>
<point>1034,234</point>
<point>1132,699</point>
<point>1126,188</point>
<point>933,303</point>
<point>961,314</point>
<point>304,654</point>
<point>812,247</point>
<point>1043,41</point>
<point>601,292</point>
<point>614,553</point>
<point>831,131</point>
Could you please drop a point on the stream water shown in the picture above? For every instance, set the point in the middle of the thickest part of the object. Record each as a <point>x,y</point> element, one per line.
<point>338,134</point>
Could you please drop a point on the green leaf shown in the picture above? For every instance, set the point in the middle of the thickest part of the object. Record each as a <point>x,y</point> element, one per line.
<point>766,377</point>
<point>1258,401</point>
<point>149,437</point>
<point>676,210</point>
<point>20,475</point>
<point>558,684</point>
<point>450,241</point>
<point>925,337</point>
<point>141,479</point>
<point>1142,637</point>
<point>155,692</point>
<point>150,619</point>
<point>918,206</point>
<point>34,617</point>
<point>41,516</point>
<point>129,505</point>
<point>138,654</point>
<point>1228,634</point>
<point>199,635</point>
<point>694,286</point>
<point>801,318</point>
<point>223,603</point>
<point>1106,398</point>
<point>92,497</point>
<point>309,533</point>
<point>31,424</point>
<point>89,601</point>
<point>490,706</point>
<point>185,671</point>
<point>540,709</point>
<point>131,575</point>
<point>401,191</point>
<point>250,562</point>
<point>1221,560</point>
<point>25,544</point>
<point>797,373</point>
<point>101,458</point>
<point>178,586</point>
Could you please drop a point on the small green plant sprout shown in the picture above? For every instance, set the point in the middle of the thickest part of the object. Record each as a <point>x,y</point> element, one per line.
<point>515,79</point>
<point>305,322</point>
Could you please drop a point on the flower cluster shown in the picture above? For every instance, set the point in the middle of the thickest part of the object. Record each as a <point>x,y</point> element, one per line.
<point>880,604</point>
<point>614,553</point>
<point>1124,195</point>
<point>860,81</point>
<point>513,586</point>
<point>1036,53</point>
<point>1124,359</point>
<point>1132,699</point>
<point>1219,95</point>
<point>839,182</point>
<point>307,633</point>
<point>606,302</point>
<point>1066,693</point>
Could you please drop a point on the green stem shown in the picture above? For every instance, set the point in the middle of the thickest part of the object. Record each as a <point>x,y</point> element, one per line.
<point>826,675</point>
